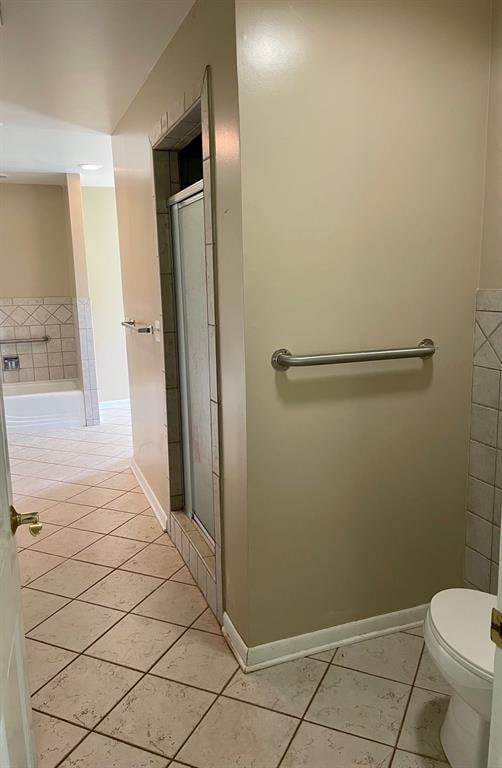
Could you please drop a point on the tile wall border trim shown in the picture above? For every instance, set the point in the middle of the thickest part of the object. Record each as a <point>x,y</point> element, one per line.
<point>269,654</point>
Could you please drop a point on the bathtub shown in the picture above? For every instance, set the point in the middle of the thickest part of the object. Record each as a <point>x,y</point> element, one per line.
<point>42,404</point>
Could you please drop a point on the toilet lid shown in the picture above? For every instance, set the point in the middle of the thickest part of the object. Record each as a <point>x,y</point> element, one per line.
<point>462,618</point>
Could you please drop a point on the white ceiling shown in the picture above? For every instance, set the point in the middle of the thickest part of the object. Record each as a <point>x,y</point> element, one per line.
<point>68,71</point>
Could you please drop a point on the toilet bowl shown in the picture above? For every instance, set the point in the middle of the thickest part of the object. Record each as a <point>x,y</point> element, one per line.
<point>457,636</point>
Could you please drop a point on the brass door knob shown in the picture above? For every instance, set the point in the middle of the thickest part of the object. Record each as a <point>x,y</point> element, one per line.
<point>29,518</point>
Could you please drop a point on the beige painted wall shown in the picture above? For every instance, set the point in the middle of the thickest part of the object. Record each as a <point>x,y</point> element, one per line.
<point>105,291</point>
<point>35,241</point>
<point>491,263</point>
<point>206,37</point>
<point>363,132</point>
<point>362,148</point>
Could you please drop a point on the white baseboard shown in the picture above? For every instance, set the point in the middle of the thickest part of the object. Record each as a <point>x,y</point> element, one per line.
<point>150,495</point>
<point>114,403</point>
<point>266,655</point>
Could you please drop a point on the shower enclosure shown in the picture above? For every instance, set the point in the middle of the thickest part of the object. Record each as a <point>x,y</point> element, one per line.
<point>187,219</point>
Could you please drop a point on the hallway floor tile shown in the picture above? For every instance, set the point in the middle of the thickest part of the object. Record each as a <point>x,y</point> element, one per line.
<point>85,691</point>
<point>70,578</point>
<point>136,642</point>
<point>98,751</point>
<point>127,665</point>
<point>199,659</point>
<point>158,715</point>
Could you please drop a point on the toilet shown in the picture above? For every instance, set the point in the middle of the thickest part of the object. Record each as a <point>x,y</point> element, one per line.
<point>457,635</point>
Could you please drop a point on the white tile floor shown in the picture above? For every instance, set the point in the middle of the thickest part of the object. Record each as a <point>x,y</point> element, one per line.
<point>127,666</point>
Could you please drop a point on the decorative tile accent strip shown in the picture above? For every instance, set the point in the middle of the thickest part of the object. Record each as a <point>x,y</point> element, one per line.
<point>485,462</point>
<point>30,318</point>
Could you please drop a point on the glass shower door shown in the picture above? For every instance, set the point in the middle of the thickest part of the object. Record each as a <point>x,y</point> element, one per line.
<point>187,215</point>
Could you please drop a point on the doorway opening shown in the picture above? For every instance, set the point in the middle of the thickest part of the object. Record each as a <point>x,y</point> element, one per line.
<point>185,312</point>
<point>187,222</point>
<point>182,171</point>
<point>62,350</point>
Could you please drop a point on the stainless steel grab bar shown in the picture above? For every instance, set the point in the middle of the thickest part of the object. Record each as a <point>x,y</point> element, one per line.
<point>142,328</point>
<point>282,359</point>
<point>41,340</point>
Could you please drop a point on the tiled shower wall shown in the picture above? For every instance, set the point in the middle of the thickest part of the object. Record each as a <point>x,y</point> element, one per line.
<point>485,462</point>
<point>27,318</point>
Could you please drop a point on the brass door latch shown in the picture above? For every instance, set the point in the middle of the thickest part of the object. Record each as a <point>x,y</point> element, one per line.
<point>29,518</point>
<point>496,628</point>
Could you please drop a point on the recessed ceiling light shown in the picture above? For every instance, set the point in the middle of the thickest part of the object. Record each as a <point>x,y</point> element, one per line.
<point>90,166</point>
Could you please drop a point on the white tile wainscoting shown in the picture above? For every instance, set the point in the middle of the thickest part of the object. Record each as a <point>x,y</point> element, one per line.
<point>28,318</point>
<point>485,461</point>
<point>69,353</point>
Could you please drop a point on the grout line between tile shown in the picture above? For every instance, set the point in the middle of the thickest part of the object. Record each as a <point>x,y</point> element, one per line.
<point>302,719</point>
<point>217,696</point>
<point>143,675</point>
<point>373,674</point>
<point>407,707</point>
<point>111,569</point>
